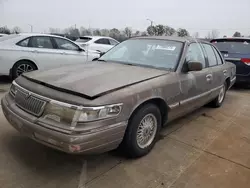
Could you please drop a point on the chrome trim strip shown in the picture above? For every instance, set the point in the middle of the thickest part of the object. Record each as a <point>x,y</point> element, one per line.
<point>233,79</point>
<point>200,95</point>
<point>174,105</point>
<point>232,59</point>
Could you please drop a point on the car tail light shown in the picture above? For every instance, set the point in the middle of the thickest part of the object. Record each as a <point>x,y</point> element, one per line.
<point>246,61</point>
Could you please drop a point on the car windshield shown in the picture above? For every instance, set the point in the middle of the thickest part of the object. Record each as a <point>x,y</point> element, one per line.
<point>146,52</point>
<point>233,46</point>
<point>83,39</point>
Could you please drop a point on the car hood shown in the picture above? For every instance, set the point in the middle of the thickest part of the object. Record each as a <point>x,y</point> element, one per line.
<point>93,79</point>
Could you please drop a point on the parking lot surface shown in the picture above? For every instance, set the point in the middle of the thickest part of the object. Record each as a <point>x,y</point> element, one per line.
<point>207,148</point>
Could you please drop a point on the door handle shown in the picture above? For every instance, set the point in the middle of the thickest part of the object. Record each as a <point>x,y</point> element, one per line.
<point>209,77</point>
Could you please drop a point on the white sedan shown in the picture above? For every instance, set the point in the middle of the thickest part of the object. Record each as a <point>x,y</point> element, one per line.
<point>99,43</point>
<point>21,53</point>
<point>2,35</point>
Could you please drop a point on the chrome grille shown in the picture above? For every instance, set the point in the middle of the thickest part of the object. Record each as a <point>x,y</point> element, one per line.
<point>29,103</point>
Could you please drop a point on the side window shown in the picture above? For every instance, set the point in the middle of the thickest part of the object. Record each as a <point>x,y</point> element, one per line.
<point>24,43</point>
<point>210,55</point>
<point>65,44</point>
<point>218,57</point>
<point>41,42</point>
<point>195,53</point>
<point>113,42</point>
<point>103,41</point>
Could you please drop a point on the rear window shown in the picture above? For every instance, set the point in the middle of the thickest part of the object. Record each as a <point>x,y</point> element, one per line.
<point>83,39</point>
<point>240,46</point>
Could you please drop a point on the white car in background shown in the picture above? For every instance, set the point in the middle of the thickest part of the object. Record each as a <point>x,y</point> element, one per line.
<point>98,43</point>
<point>21,53</point>
<point>2,35</point>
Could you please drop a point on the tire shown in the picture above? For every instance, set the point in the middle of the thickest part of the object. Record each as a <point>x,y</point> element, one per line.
<point>217,102</point>
<point>131,145</point>
<point>21,67</point>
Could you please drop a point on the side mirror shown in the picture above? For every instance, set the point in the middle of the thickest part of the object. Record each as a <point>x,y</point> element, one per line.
<point>194,66</point>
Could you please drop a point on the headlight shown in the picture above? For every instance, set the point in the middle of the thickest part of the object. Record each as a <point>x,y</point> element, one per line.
<point>61,113</point>
<point>13,89</point>
<point>96,113</point>
<point>58,113</point>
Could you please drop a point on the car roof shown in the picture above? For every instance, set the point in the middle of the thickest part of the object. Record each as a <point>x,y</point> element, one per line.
<point>96,37</point>
<point>39,34</point>
<point>232,38</point>
<point>174,38</point>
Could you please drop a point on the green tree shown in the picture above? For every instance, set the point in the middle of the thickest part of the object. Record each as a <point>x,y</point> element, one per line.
<point>97,32</point>
<point>182,32</point>
<point>16,30</point>
<point>128,32</point>
<point>144,33</point>
<point>137,33</point>
<point>237,34</point>
<point>105,32</point>
<point>151,30</point>
<point>169,31</point>
<point>5,30</point>
<point>115,33</point>
<point>71,31</point>
<point>159,30</point>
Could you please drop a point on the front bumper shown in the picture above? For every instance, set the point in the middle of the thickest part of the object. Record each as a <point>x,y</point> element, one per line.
<point>89,143</point>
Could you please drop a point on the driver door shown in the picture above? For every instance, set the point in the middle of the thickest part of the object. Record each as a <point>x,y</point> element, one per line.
<point>195,85</point>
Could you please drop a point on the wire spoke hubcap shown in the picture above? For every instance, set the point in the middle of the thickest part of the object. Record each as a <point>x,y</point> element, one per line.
<point>221,94</point>
<point>23,68</point>
<point>146,131</point>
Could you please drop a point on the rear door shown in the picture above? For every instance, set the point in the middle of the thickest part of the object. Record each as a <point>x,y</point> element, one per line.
<point>43,52</point>
<point>236,51</point>
<point>218,71</point>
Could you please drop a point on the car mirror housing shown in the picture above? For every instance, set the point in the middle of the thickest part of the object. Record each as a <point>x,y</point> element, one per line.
<point>194,66</point>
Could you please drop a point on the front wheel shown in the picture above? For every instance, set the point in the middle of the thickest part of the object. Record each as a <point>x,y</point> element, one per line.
<point>142,131</point>
<point>22,67</point>
<point>217,102</point>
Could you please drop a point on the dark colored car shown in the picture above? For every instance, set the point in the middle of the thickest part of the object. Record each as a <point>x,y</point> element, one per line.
<point>237,51</point>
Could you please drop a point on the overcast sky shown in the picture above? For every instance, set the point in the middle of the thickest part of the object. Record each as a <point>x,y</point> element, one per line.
<point>195,15</point>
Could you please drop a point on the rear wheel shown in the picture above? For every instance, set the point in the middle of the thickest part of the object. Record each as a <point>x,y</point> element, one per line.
<point>22,67</point>
<point>142,131</point>
<point>217,102</point>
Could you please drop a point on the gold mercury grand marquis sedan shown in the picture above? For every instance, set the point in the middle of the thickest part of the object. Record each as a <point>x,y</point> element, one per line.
<point>123,99</point>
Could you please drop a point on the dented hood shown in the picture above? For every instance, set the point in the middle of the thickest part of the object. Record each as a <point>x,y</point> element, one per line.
<point>93,79</point>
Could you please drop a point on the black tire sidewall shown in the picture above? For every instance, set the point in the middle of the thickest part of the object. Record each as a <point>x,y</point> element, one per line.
<point>131,134</point>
